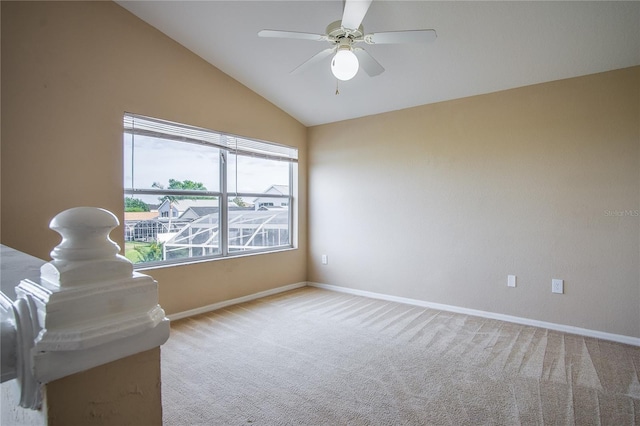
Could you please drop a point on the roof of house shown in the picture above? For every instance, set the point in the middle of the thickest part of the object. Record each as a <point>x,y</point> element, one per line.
<point>274,190</point>
<point>140,215</point>
<point>282,189</point>
<point>202,210</point>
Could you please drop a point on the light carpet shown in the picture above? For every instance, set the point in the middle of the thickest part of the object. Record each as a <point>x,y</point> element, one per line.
<point>316,357</point>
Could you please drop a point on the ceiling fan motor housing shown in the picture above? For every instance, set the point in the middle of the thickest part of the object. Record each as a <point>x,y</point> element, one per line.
<point>337,34</point>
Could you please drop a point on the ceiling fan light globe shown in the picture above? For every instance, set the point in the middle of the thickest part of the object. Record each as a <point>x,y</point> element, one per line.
<point>344,65</point>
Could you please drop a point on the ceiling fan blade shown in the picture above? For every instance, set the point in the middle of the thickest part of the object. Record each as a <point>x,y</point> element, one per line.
<point>292,34</point>
<point>367,62</point>
<point>411,36</point>
<point>354,11</point>
<point>313,60</point>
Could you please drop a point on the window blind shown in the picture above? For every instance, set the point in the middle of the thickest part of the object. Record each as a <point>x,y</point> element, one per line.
<point>147,126</point>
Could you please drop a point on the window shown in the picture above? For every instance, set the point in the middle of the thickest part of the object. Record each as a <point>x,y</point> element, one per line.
<point>192,193</point>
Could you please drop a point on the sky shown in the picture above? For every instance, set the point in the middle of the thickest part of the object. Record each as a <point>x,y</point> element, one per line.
<point>158,160</point>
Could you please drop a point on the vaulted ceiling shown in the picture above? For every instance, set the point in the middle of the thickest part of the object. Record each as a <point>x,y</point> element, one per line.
<point>481,47</point>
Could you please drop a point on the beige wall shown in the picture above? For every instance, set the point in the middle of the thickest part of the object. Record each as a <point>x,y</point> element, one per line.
<point>69,72</point>
<point>437,203</point>
<point>441,202</point>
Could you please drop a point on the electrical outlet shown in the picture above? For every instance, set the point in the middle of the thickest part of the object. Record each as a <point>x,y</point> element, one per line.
<point>511,280</point>
<point>325,260</point>
<point>557,286</point>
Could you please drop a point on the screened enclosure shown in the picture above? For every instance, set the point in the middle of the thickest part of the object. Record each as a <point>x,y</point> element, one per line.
<point>248,230</point>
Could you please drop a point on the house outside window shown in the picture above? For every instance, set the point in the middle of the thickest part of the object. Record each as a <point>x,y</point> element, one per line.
<point>192,194</point>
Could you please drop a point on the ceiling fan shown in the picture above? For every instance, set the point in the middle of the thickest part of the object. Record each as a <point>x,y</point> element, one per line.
<point>344,35</point>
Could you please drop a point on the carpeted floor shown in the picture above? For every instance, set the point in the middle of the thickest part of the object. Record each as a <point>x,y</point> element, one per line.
<point>315,357</point>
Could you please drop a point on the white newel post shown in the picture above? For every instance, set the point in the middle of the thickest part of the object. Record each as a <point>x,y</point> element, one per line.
<point>89,307</point>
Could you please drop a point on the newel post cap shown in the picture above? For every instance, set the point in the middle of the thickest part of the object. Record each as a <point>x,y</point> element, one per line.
<point>89,307</point>
<point>86,252</point>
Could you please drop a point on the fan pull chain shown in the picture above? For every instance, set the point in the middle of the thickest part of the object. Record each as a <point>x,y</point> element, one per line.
<point>337,89</point>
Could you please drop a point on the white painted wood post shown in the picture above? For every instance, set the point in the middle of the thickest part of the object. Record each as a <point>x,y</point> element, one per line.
<point>88,308</point>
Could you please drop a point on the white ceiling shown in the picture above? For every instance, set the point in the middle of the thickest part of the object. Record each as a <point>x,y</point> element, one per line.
<point>482,47</point>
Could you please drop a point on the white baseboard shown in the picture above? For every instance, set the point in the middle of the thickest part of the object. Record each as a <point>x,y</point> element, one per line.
<point>509,318</point>
<point>225,303</point>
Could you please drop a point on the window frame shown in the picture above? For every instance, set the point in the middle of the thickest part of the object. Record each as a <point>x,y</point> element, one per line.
<point>223,195</point>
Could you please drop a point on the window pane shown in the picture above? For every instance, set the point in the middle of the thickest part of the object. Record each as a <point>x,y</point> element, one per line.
<point>174,184</point>
<point>254,226</point>
<point>156,163</point>
<point>256,175</point>
<point>180,228</point>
